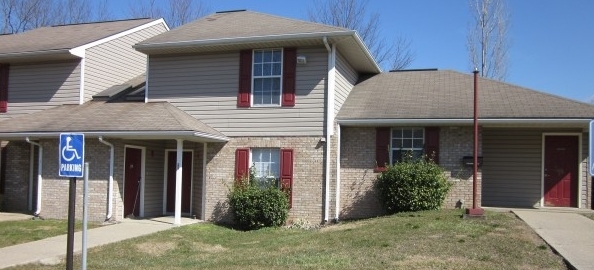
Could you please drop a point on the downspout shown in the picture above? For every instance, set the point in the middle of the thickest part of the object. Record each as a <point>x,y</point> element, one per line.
<point>110,182</point>
<point>329,122</point>
<point>81,90</point>
<point>337,200</point>
<point>39,178</point>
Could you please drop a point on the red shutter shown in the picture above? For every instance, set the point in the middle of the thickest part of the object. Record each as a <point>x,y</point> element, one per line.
<point>4,88</point>
<point>245,78</point>
<point>242,163</point>
<point>286,173</point>
<point>432,143</point>
<point>382,148</point>
<point>289,70</point>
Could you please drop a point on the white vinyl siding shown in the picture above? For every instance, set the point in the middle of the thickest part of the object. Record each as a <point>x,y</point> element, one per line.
<point>346,78</point>
<point>206,87</point>
<point>41,86</point>
<point>116,62</point>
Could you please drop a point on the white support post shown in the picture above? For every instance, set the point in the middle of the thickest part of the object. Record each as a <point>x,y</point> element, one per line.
<point>178,182</point>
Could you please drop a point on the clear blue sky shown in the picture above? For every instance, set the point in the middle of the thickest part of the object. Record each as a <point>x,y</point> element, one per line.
<point>552,41</point>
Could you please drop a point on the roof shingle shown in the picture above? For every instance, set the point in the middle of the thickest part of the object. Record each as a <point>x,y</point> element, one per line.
<point>64,37</point>
<point>449,95</point>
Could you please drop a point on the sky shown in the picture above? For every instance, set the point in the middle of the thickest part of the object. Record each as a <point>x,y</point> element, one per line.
<point>552,41</point>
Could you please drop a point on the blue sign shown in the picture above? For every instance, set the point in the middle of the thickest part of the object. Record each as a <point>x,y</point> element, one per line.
<point>72,154</point>
<point>591,152</point>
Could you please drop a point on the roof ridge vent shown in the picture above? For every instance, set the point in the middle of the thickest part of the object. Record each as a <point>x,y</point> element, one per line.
<point>231,11</point>
<point>418,69</point>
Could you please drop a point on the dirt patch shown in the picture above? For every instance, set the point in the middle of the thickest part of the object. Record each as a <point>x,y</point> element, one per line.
<point>209,248</point>
<point>155,248</point>
<point>342,227</point>
<point>423,262</point>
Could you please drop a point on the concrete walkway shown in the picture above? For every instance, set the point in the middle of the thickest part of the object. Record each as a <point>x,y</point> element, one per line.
<point>14,216</point>
<point>53,250</point>
<point>570,234</point>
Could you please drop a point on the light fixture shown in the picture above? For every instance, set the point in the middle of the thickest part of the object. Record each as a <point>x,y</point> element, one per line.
<point>301,59</point>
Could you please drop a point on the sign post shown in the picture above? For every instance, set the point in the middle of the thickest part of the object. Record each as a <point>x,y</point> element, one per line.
<point>71,157</point>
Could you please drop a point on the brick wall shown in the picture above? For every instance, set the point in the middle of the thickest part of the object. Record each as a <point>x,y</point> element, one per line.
<point>308,175</point>
<point>16,186</point>
<point>358,198</point>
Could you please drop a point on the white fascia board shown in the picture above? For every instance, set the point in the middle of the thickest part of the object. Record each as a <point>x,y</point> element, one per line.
<point>240,40</point>
<point>367,52</point>
<point>454,121</point>
<point>80,50</point>
<point>149,135</point>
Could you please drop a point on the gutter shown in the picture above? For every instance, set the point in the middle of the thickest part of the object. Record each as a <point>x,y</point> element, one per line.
<point>39,178</point>
<point>458,121</point>
<point>123,134</point>
<point>110,183</point>
<point>240,40</point>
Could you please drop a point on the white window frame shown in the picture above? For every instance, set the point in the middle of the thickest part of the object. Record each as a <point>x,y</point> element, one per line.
<point>280,77</point>
<point>278,165</point>
<point>412,148</point>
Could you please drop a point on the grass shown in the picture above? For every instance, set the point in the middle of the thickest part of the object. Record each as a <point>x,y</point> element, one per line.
<point>22,231</point>
<point>420,240</point>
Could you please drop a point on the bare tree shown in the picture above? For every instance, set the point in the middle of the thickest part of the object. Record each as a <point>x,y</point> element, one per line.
<point>175,12</point>
<point>487,39</point>
<point>145,9</point>
<point>183,11</point>
<point>22,15</point>
<point>353,14</point>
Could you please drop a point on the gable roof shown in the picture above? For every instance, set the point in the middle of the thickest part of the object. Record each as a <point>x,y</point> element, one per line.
<point>158,120</point>
<point>432,96</point>
<point>61,39</point>
<point>247,29</point>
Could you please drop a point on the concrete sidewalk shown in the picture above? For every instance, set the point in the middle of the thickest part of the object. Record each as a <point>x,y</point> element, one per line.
<point>570,234</point>
<point>53,250</point>
<point>14,216</point>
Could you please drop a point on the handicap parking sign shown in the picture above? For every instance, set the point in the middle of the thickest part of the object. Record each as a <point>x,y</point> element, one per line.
<point>72,153</point>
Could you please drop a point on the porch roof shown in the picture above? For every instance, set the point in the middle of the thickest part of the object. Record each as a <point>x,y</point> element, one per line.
<point>127,120</point>
<point>445,97</point>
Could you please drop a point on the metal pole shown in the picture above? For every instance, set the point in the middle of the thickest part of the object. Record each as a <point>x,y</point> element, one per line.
<point>85,216</point>
<point>71,209</point>
<point>475,162</point>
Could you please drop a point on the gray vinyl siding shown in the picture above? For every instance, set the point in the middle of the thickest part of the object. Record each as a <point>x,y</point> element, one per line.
<point>346,78</point>
<point>154,177</point>
<point>41,86</point>
<point>115,62</point>
<point>197,171</point>
<point>512,167</point>
<point>206,87</point>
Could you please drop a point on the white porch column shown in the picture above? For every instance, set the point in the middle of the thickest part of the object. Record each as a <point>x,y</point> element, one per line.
<point>178,182</point>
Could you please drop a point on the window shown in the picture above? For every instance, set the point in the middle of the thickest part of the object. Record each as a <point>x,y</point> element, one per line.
<point>406,141</point>
<point>392,143</point>
<point>266,162</point>
<point>271,165</point>
<point>267,77</point>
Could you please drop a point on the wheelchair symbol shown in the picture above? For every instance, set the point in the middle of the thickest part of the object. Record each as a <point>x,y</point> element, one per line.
<point>71,151</point>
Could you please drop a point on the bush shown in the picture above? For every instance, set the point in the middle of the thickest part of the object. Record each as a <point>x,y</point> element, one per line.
<point>255,207</point>
<point>412,185</point>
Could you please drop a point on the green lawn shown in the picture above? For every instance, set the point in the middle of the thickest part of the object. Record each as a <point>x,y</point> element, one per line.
<point>422,240</point>
<point>22,231</point>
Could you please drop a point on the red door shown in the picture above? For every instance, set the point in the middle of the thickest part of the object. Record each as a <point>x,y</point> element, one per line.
<point>561,171</point>
<point>133,169</point>
<point>186,181</point>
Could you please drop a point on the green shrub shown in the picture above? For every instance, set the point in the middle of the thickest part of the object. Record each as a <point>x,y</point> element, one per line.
<point>255,206</point>
<point>412,185</point>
